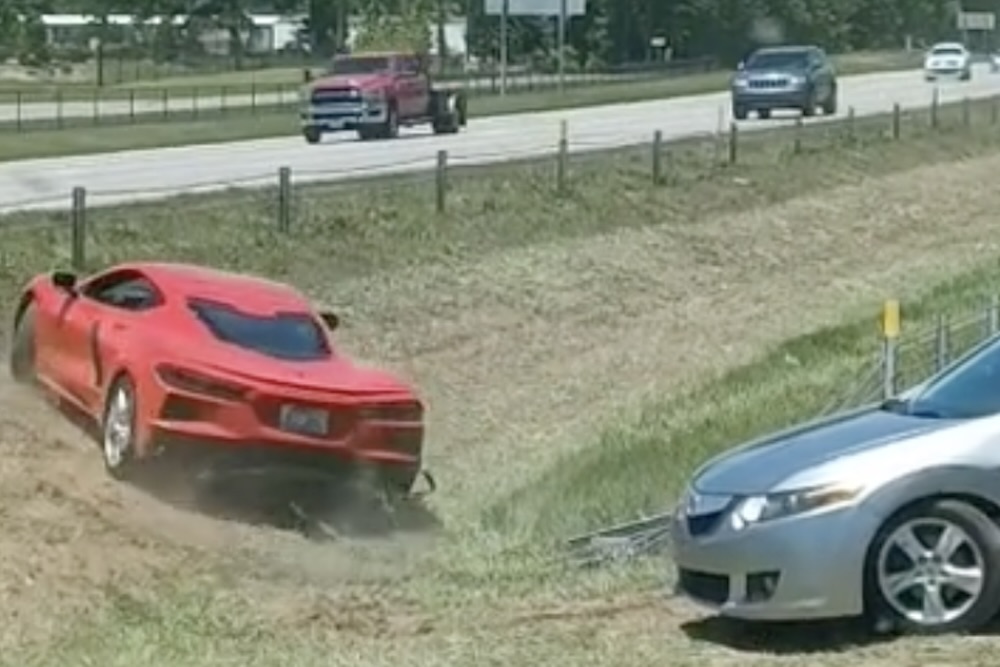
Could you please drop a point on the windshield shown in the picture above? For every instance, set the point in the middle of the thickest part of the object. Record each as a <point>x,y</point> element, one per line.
<point>778,60</point>
<point>946,51</point>
<point>291,336</point>
<point>967,390</point>
<point>360,65</point>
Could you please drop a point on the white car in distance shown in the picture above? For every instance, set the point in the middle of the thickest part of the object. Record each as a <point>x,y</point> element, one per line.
<point>948,59</point>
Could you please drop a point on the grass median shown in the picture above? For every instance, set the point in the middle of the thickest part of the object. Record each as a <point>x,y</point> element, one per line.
<point>413,285</point>
<point>88,134</point>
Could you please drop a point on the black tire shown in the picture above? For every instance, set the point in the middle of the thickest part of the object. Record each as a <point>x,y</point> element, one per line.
<point>967,75</point>
<point>978,610</point>
<point>740,112</point>
<point>446,113</point>
<point>830,104</point>
<point>809,108</point>
<point>390,130</point>
<point>312,134</point>
<point>22,348</point>
<point>763,114</point>
<point>120,466</point>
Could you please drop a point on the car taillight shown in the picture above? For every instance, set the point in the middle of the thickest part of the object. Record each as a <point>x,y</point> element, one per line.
<point>411,411</point>
<point>191,381</point>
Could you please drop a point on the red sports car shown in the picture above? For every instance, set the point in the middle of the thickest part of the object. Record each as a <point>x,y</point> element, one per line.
<point>169,357</point>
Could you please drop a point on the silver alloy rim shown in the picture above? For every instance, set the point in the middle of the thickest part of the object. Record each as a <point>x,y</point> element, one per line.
<point>118,429</point>
<point>931,571</point>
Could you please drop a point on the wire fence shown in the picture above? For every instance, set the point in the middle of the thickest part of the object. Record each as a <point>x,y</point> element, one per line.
<point>59,108</point>
<point>906,360</point>
<point>725,147</point>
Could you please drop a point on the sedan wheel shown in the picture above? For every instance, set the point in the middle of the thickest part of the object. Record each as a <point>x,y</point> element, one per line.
<point>937,570</point>
<point>118,429</point>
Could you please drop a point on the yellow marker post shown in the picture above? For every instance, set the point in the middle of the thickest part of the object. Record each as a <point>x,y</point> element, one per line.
<point>890,319</point>
<point>890,333</point>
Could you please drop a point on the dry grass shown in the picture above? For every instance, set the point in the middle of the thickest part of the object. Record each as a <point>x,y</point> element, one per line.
<point>531,322</point>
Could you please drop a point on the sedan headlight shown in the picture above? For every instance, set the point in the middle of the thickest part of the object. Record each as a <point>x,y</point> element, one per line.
<point>797,81</point>
<point>758,509</point>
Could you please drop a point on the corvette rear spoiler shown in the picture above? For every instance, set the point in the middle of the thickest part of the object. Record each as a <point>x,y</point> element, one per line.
<point>330,319</point>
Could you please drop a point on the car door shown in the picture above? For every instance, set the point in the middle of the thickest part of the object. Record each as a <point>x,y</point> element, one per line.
<point>77,320</point>
<point>104,311</point>
<point>411,85</point>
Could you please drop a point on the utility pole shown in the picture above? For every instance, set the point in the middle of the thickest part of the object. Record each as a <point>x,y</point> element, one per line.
<point>503,46</point>
<point>562,45</point>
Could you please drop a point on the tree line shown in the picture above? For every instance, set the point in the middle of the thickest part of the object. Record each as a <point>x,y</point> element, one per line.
<point>612,32</point>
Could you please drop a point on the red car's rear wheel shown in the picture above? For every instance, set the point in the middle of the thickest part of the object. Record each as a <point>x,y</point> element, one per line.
<point>118,428</point>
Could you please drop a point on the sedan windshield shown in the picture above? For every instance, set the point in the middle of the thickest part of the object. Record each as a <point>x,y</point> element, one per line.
<point>778,60</point>
<point>968,390</point>
<point>946,51</point>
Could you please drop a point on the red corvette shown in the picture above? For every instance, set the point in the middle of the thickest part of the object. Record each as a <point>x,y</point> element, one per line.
<point>170,357</point>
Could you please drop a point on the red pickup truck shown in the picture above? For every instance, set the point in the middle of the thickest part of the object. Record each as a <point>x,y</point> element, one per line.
<point>375,94</point>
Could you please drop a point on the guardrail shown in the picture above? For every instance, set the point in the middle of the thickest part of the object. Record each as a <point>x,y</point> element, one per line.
<point>66,108</point>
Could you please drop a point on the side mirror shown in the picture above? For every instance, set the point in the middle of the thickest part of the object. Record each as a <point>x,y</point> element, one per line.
<point>740,66</point>
<point>330,319</point>
<point>64,280</point>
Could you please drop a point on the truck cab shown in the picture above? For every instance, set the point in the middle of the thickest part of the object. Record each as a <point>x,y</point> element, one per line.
<point>374,94</point>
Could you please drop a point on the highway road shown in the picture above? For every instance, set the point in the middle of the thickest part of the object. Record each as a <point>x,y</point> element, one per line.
<point>177,100</point>
<point>151,174</point>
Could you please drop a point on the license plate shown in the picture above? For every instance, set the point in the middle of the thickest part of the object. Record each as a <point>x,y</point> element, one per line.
<point>307,421</point>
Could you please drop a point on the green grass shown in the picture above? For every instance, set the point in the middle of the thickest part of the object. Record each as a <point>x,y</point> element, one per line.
<point>467,601</point>
<point>211,124</point>
<point>639,466</point>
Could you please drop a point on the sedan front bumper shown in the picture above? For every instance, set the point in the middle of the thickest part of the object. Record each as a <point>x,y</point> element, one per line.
<point>798,568</point>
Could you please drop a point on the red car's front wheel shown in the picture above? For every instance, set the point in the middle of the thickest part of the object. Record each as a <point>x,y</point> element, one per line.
<point>22,349</point>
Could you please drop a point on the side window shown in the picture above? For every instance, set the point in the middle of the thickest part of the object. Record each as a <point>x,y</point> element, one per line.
<point>409,66</point>
<point>128,290</point>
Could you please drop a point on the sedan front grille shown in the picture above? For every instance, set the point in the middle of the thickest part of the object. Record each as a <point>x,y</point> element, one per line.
<point>711,588</point>
<point>704,524</point>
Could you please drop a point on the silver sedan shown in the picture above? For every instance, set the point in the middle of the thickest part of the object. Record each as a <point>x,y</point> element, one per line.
<point>889,512</point>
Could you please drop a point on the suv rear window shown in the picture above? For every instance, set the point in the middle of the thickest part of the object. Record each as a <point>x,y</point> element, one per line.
<point>291,336</point>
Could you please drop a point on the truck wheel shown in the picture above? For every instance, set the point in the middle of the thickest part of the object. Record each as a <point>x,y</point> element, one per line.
<point>740,112</point>
<point>312,134</point>
<point>391,128</point>
<point>447,113</point>
<point>763,114</point>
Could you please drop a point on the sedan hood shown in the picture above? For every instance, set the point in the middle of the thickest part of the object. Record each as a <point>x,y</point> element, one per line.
<point>761,464</point>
